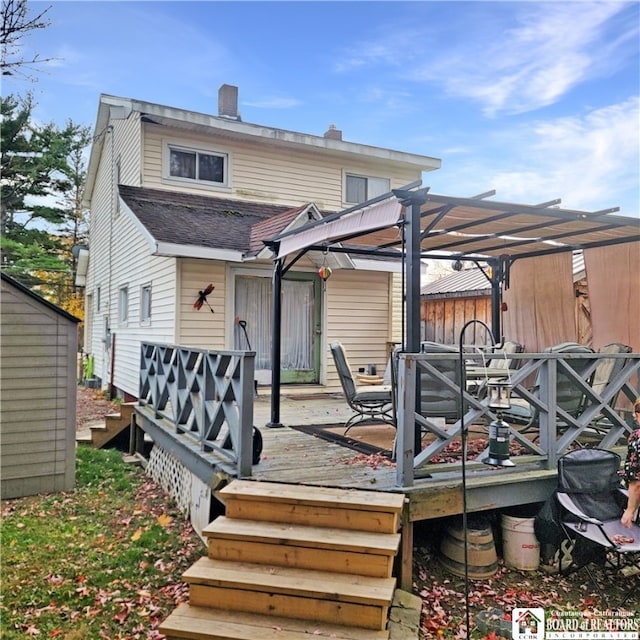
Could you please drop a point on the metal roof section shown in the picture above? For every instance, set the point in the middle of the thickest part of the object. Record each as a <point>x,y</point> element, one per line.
<point>471,282</point>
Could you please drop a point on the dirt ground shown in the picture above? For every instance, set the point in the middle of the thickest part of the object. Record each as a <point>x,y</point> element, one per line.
<point>91,406</point>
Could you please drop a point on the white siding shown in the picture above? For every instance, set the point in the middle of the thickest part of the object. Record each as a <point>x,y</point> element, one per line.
<point>269,173</point>
<point>38,380</point>
<point>397,297</point>
<point>120,256</point>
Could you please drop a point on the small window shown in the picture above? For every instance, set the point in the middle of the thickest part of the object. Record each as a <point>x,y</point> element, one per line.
<point>362,188</point>
<point>145,304</point>
<point>123,304</point>
<point>98,300</point>
<point>201,166</point>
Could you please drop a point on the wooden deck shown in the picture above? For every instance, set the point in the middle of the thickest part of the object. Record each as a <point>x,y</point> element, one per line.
<point>199,408</point>
<point>293,457</point>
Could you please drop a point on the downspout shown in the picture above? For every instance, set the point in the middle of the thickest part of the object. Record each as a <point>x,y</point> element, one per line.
<point>276,343</point>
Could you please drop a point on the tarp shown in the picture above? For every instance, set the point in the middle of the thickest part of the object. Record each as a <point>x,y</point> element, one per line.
<point>540,302</point>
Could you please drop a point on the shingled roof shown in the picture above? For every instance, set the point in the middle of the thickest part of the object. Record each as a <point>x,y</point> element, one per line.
<point>206,221</point>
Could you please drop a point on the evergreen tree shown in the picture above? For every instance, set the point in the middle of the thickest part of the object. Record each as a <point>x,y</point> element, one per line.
<point>40,200</point>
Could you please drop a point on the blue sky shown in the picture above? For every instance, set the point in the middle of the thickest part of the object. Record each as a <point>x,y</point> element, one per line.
<point>537,100</point>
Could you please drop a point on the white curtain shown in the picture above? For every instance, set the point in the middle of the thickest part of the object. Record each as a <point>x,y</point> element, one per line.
<point>253,306</point>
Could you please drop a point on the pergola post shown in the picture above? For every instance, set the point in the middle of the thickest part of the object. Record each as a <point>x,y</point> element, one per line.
<point>496,299</point>
<point>412,270</point>
<point>276,343</point>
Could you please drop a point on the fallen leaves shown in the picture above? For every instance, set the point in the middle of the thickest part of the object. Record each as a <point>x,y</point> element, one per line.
<point>108,558</point>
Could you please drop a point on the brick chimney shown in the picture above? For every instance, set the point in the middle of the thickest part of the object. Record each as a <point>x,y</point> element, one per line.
<point>332,133</point>
<point>228,102</point>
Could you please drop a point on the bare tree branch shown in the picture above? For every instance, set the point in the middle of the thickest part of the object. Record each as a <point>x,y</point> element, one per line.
<point>16,24</point>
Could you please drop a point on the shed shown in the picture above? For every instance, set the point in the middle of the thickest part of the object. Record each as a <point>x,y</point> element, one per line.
<point>447,303</point>
<point>39,342</point>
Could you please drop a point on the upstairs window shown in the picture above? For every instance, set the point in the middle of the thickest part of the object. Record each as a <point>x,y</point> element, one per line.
<point>200,166</point>
<point>362,188</point>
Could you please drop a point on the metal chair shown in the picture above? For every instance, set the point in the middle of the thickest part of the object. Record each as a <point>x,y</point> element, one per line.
<point>371,402</point>
<point>440,383</point>
<point>569,396</point>
<point>606,370</point>
<point>592,500</point>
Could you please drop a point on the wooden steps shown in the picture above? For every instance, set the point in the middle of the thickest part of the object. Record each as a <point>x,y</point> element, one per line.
<point>114,424</point>
<point>315,506</point>
<point>360,552</point>
<point>296,560</point>
<point>199,623</point>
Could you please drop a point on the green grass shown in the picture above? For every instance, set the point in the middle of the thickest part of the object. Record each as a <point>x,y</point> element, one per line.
<point>103,561</point>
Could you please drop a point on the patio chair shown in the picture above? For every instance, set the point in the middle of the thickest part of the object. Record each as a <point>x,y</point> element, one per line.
<point>606,370</point>
<point>569,396</point>
<point>440,383</point>
<point>370,403</point>
<point>591,500</point>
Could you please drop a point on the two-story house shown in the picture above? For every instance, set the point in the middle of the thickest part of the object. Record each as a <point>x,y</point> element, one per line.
<point>181,200</point>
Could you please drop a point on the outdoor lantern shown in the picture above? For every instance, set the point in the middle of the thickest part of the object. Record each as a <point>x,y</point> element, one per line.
<point>324,272</point>
<point>499,395</point>
<point>499,398</point>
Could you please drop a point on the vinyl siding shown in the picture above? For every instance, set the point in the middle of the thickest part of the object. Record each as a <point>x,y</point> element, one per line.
<point>120,255</point>
<point>358,311</point>
<point>38,380</point>
<point>397,296</point>
<point>269,173</point>
<point>202,329</point>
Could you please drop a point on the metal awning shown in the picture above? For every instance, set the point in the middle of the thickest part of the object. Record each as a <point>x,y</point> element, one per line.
<point>461,228</point>
<point>413,224</point>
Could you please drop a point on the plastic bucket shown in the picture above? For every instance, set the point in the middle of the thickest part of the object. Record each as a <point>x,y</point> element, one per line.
<point>482,558</point>
<point>520,547</point>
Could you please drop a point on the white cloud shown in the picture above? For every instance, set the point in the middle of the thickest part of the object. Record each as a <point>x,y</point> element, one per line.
<point>554,47</point>
<point>592,162</point>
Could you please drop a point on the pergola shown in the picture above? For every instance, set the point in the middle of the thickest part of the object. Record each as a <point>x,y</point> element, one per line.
<point>411,224</point>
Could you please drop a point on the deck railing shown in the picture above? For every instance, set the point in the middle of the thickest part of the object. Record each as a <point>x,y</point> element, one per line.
<point>204,396</point>
<point>599,419</point>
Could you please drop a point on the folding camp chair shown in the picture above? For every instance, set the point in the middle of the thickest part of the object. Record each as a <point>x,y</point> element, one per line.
<point>371,402</point>
<point>591,500</point>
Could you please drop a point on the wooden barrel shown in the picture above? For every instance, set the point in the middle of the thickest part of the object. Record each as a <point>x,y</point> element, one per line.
<point>482,558</point>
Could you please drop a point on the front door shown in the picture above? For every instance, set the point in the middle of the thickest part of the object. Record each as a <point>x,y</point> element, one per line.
<point>301,325</point>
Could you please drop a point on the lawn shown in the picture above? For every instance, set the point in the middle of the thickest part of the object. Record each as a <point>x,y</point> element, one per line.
<point>101,562</point>
<point>105,561</point>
